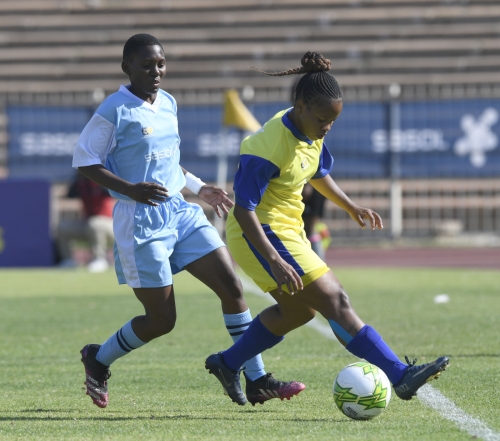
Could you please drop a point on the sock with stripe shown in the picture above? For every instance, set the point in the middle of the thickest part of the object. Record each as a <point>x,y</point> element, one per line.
<point>236,325</point>
<point>368,344</point>
<point>118,345</point>
<point>255,340</point>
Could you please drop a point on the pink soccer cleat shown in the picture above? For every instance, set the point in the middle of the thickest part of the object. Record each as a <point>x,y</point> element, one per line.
<point>266,388</point>
<point>97,375</point>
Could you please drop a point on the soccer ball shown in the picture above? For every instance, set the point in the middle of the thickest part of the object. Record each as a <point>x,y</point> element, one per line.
<point>361,391</point>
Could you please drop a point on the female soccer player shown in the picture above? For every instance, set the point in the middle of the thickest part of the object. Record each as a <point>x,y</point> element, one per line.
<point>266,236</point>
<point>131,147</point>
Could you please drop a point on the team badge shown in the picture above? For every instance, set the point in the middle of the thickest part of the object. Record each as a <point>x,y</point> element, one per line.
<point>304,164</point>
<point>147,130</point>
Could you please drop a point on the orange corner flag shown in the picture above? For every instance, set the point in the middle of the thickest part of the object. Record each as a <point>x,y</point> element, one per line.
<point>236,114</point>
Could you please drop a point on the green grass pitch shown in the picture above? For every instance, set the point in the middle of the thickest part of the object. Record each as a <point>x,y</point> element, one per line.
<point>163,392</point>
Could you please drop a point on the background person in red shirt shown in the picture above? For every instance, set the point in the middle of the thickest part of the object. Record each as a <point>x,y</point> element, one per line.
<point>95,227</point>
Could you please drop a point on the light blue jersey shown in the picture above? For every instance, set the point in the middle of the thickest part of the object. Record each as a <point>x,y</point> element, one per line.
<point>139,142</point>
<point>135,140</point>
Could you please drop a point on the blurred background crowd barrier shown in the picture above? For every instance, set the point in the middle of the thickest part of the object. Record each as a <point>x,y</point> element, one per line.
<point>418,139</point>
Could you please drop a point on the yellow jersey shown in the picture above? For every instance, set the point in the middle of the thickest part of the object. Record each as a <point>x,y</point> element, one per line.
<point>275,164</point>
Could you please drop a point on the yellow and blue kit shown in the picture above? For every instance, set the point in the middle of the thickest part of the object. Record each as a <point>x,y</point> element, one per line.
<point>275,164</point>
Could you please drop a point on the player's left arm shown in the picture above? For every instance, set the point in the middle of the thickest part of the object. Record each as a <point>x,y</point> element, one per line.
<point>330,190</point>
<point>214,196</point>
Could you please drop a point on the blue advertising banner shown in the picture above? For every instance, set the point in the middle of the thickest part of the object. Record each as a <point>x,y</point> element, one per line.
<point>435,139</point>
<point>42,138</point>
<point>456,138</point>
<point>24,223</point>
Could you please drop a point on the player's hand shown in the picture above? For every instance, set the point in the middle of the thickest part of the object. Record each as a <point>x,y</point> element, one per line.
<point>359,214</point>
<point>285,274</point>
<point>217,198</point>
<point>147,193</point>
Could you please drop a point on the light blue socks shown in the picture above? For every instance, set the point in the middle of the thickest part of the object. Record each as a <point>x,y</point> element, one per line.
<point>236,325</point>
<point>119,345</point>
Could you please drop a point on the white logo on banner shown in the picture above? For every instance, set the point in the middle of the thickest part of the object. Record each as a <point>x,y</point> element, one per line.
<point>479,138</point>
<point>211,144</point>
<point>411,140</point>
<point>47,144</point>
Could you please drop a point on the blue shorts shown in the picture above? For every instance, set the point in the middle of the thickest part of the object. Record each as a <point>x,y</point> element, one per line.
<point>153,243</point>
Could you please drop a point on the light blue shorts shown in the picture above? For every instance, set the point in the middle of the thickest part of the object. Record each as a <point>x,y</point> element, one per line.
<point>153,243</point>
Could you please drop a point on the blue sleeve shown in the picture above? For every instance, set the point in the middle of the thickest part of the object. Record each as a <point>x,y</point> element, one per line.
<point>252,179</point>
<point>325,163</point>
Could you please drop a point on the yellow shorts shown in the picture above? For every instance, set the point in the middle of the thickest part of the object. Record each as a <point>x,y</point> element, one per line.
<point>292,245</point>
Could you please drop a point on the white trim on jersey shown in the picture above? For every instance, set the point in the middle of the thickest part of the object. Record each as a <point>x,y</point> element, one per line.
<point>96,141</point>
<point>123,225</point>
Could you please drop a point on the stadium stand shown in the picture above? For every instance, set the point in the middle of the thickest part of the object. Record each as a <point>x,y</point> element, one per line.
<point>76,45</point>
<point>50,48</point>
<point>431,207</point>
<point>69,51</point>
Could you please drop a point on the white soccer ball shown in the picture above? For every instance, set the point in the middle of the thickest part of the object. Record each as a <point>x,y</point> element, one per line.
<point>361,391</point>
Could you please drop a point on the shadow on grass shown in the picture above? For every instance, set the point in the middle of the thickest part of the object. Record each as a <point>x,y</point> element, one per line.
<point>474,355</point>
<point>174,417</point>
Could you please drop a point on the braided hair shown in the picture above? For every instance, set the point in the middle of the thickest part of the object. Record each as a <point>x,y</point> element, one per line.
<point>316,83</point>
<point>133,43</point>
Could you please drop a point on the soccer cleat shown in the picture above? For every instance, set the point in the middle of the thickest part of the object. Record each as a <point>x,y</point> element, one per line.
<point>266,388</point>
<point>229,379</point>
<point>97,375</point>
<point>416,376</point>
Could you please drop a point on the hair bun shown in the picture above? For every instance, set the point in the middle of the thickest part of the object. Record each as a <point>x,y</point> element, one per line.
<point>314,62</point>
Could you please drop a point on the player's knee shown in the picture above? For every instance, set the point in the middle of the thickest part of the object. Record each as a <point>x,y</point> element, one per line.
<point>169,327</point>
<point>307,316</point>
<point>232,285</point>
<point>230,291</point>
<point>163,325</point>
<point>341,299</point>
<point>166,327</point>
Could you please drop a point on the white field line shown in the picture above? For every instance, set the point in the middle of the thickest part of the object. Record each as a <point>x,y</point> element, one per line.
<point>428,395</point>
<point>431,397</point>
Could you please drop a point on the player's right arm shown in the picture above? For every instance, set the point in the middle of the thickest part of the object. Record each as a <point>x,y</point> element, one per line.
<point>143,192</point>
